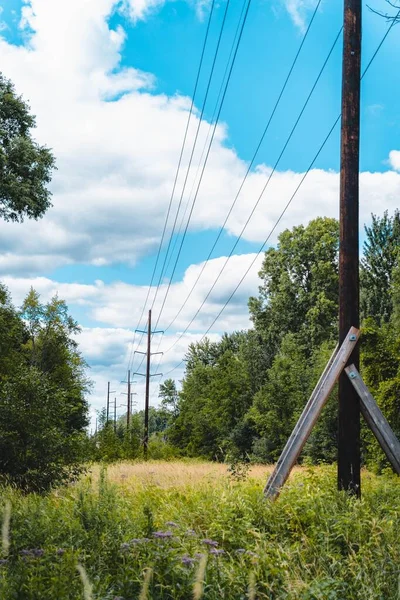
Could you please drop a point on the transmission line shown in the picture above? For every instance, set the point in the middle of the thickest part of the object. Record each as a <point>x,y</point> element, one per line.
<point>206,159</point>
<point>208,135</point>
<point>176,176</point>
<point>288,203</point>
<point>187,172</point>
<point>264,188</point>
<point>193,148</point>
<point>250,165</point>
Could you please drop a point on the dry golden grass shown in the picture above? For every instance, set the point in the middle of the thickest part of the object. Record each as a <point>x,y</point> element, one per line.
<point>175,473</point>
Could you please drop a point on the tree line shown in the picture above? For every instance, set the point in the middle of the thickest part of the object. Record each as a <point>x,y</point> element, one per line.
<point>241,397</point>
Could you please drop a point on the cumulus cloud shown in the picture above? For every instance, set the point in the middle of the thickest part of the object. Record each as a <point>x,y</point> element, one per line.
<point>394,159</point>
<point>119,304</point>
<point>117,144</point>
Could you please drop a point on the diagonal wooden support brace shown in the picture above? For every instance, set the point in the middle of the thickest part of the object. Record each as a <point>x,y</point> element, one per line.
<point>375,419</point>
<point>310,415</point>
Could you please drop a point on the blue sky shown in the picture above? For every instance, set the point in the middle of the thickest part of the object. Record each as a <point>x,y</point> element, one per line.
<point>111,83</point>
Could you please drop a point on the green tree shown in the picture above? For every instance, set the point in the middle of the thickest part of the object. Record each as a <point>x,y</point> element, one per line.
<point>25,166</point>
<point>214,399</point>
<point>299,291</point>
<point>38,448</point>
<point>169,396</point>
<point>52,348</point>
<point>43,410</point>
<point>380,257</point>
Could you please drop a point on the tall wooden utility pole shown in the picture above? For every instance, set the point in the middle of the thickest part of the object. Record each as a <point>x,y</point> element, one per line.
<point>148,354</point>
<point>115,415</point>
<point>349,407</point>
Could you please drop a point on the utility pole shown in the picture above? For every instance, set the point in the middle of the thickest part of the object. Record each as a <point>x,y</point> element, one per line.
<point>147,393</point>
<point>148,354</point>
<point>115,415</point>
<point>129,400</point>
<point>349,406</point>
<point>108,400</point>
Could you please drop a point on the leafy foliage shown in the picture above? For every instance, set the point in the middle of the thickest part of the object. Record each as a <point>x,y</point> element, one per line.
<point>43,410</point>
<point>25,166</point>
<point>242,396</point>
<point>381,255</point>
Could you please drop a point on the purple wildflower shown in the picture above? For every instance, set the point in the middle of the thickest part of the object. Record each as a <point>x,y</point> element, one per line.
<point>60,551</point>
<point>190,532</point>
<point>208,542</point>
<point>162,535</point>
<point>240,551</point>
<point>217,552</point>
<point>251,553</point>
<point>34,553</point>
<point>171,524</point>
<point>199,555</point>
<point>125,547</point>
<point>3,561</point>
<point>187,561</point>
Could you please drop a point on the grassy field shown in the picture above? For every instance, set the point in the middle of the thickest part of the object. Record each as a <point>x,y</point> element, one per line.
<point>191,530</point>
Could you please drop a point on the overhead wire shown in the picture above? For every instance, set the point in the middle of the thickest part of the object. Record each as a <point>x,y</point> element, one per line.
<point>200,120</point>
<point>176,176</point>
<point>206,158</point>
<point>290,199</point>
<point>291,69</point>
<point>264,188</point>
<point>203,152</point>
<point>193,147</point>
<point>208,134</point>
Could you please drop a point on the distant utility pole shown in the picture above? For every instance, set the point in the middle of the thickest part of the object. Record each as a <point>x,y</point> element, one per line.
<point>115,415</point>
<point>148,354</point>
<point>349,406</point>
<point>108,400</point>
<point>129,394</point>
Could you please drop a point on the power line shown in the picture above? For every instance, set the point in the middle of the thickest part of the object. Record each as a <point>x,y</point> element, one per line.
<point>193,148</point>
<point>203,152</point>
<point>250,165</point>
<point>208,134</point>
<point>187,171</point>
<point>206,159</point>
<point>176,175</point>
<point>264,188</point>
<point>289,202</point>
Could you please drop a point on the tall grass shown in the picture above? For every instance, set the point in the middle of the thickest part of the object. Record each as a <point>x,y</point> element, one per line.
<point>152,534</point>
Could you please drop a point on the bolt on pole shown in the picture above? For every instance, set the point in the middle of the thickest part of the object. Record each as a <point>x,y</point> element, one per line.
<point>349,406</point>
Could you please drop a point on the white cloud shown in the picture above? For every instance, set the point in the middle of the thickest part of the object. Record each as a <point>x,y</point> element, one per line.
<point>394,159</point>
<point>298,11</point>
<point>119,304</point>
<point>117,158</point>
